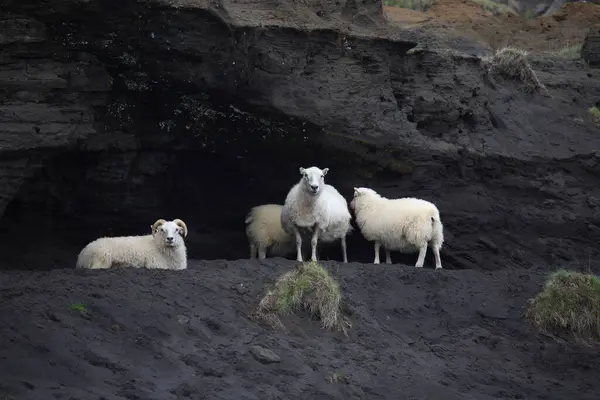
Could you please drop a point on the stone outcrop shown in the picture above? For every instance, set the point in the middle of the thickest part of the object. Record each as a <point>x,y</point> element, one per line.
<point>115,114</point>
<point>590,51</point>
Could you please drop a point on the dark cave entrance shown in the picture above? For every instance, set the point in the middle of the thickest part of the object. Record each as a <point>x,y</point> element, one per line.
<point>209,180</point>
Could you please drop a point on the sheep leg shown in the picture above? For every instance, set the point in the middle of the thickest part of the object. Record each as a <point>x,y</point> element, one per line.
<point>344,250</point>
<point>252,251</point>
<point>377,245</point>
<point>313,243</point>
<point>262,253</point>
<point>298,244</point>
<point>438,260</point>
<point>421,259</point>
<point>388,256</point>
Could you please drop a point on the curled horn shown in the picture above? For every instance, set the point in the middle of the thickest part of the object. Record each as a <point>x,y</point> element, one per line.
<point>155,225</point>
<point>181,224</point>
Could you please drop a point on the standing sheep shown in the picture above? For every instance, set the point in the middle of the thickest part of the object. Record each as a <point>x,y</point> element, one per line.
<point>407,224</point>
<point>163,249</point>
<point>312,205</point>
<point>264,232</point>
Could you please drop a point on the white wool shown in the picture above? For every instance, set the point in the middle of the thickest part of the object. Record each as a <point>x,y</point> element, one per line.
<point>265,234</point>
<point>335,213</point>
<point>311,204</point>
<point>147,251</point>
<point>406,224</point>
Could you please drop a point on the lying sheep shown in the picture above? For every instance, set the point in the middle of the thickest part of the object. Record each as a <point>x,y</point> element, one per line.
<point>163,249</point>
<point>405,224</point>
<point>264,232</point>
<point>312,205</point>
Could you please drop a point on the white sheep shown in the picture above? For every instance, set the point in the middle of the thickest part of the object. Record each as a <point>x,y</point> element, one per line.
<point>163,249</point>
<point>264,232</point>
<point>312,205</point>
<point>407,224</point>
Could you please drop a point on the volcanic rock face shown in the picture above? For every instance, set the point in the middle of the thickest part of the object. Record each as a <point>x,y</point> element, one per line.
<point>590,50</point>
<point>115,114</point>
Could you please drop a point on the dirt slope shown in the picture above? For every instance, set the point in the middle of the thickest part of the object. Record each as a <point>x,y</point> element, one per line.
<point>418,334</point>
<point>568,26</point>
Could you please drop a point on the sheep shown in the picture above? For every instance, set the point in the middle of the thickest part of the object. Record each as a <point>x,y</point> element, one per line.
<point>264,232</point>
<point>406,224</point>
<point>313,205</point>
<point>163,249</point>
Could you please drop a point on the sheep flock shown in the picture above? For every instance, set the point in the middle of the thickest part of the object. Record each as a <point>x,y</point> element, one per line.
<point>313,212</point>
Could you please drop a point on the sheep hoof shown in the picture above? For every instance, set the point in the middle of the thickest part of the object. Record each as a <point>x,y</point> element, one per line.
<point>375,262</point>
<point>419,266</point>
<point>438,267</point>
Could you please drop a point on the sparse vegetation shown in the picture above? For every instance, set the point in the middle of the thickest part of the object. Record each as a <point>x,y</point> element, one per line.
<point>494,8</point>
<point>511,63</point>
<point>595,113</point>
<point>568,52</point>
<point>417,5</point>
<point>337,377</point>
<point>423,5</point>
<point>80,308</point>
<point>569,303</point>
<point>310,287</point>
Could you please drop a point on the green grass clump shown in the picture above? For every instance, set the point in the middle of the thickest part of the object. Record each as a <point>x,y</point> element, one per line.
<point>511,63</point>
<point>569,303</point>
<point>80,308</point>
<point>595,112</point>
<point>309,287</point>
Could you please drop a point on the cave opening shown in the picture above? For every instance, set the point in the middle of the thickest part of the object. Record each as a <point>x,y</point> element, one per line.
<point>204,162</point>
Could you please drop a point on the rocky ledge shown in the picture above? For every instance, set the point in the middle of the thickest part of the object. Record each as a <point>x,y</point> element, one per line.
<point>116,113</point>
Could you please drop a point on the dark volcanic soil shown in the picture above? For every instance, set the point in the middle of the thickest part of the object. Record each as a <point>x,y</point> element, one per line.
<point>417,334</point>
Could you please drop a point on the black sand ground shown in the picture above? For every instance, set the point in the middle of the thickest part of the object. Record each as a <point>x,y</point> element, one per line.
<point>417,334</point>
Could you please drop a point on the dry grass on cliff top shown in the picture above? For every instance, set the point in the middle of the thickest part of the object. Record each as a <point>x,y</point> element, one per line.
<point>569,303</point>
<point>511,63</point>
<point>310,287</point>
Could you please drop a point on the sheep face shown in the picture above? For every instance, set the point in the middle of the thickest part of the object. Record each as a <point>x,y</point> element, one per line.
<point>313,179</point>
<point>169,233</point>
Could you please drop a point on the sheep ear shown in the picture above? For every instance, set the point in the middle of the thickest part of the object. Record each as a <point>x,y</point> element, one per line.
<point>356,191</point>
<point>325,170</point>
<point>301,171</point>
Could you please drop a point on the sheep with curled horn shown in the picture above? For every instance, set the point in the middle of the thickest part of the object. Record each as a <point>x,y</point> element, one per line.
<point>164,248</point>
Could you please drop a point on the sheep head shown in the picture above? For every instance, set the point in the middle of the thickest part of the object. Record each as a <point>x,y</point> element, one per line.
<point>169,233</point>
<point>313,178</point>
<point>359,191</point>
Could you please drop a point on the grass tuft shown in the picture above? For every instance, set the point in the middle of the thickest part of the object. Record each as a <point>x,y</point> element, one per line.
<point>310,287</point>
<point>595,113</point>
<point>568,52</point>
<point>511,63</point>
<point>80,308</point>
<point>569,303</point>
